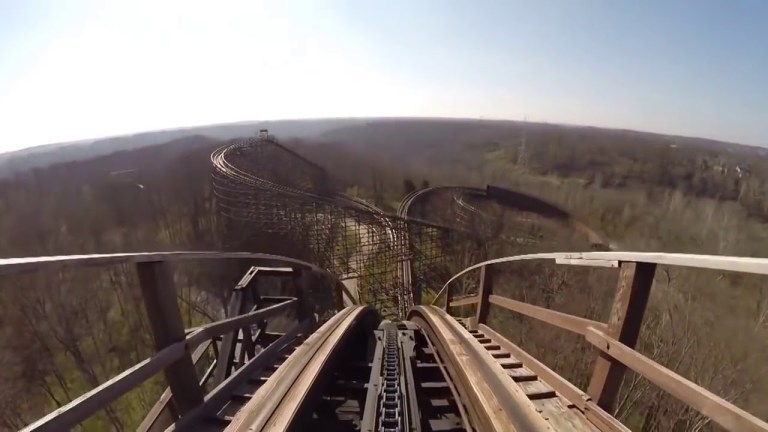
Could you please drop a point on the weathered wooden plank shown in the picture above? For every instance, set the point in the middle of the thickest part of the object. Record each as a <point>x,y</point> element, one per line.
<point>20,265</point>
<point>68,416</point>
<point>522,374</point>
<point>464,301</point>
<point>588,262</point>
<point>218,328</point>
<point>159,416</point>
<point>624,322</point>
<point>711,262</point>
<point>235,309</point>
<point>509,362</point>
<point>269,397</point>
<point>164,317</point>
<point>224,390</point>
<point>537,389</point>
<point>716,408</point>
<point>493,401</point>
<point>569,322</point>
<point>604,421</point>
<point>561,417</point>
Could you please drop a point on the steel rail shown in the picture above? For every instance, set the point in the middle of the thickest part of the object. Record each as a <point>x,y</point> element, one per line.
<point>278,403</point>
<point>493,401</point>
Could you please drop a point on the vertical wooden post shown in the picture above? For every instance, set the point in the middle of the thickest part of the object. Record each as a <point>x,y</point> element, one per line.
<point>167,327</point>
<point>226,355</point>
<point>624,323</point>
<point>448,299</point>
<point>416,290</point>
<point>484,291</point>
<point>303,278</point>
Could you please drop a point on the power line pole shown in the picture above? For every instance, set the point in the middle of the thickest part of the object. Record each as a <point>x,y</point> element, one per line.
<point>522,157</point>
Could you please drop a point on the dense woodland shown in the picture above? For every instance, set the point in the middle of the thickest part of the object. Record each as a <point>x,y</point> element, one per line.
<point>64,333</point>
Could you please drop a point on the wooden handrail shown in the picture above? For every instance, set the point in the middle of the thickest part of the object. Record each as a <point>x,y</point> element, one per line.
<point>573,394</point>
<point>162,405</point>
<point>716,408</point>
<point>91,402</point>
<point>558,319</point>
<point>22,265</point>
<point>464,301</point>
<point>219,328</point>
<point>711,262</point>
<point>616,338</point>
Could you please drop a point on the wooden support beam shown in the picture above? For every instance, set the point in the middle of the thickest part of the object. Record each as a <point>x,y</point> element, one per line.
<point>558,319</point>
<point>624,323</point>
<point>302,283</point>
<point>448,299</point>
<point>227,350</point>
<point>160,416</point>
<point>465,301</point>
<point>159,295</point>
<point>484,291</point>
<point>588,262</point>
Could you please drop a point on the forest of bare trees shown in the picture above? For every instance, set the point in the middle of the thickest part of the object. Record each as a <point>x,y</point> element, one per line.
<point>62,333</point>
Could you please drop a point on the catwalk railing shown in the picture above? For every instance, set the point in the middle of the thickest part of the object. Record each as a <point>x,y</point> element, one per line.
<point>616,337</point>
<point>176,349</point>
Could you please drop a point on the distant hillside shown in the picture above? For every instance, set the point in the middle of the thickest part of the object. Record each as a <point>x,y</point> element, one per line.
<point>41,156</point>
<point>390,137</point>
<point>415,134</point>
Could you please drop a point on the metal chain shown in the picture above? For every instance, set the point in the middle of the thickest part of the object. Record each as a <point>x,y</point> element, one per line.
<point>390,400</point>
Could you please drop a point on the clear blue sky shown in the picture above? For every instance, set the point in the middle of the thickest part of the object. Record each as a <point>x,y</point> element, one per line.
<point>81,69</point>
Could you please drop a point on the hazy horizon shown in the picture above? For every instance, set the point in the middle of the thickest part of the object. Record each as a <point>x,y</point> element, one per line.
<point>87,140</point>
<point>102,69</point>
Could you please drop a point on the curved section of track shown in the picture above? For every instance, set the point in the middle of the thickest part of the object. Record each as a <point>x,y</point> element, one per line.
<point>505,197</point>
<point>508,198</point>
<point>294,201</point>
<point>282,401</point>
<point>492,400</point>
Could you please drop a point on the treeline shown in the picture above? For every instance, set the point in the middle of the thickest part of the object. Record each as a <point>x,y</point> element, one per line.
<point>64,332</point>
<point>460,151</point>
<point>647,193</point>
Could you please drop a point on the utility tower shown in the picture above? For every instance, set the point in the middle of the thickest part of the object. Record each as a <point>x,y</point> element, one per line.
<point>522,156</point>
